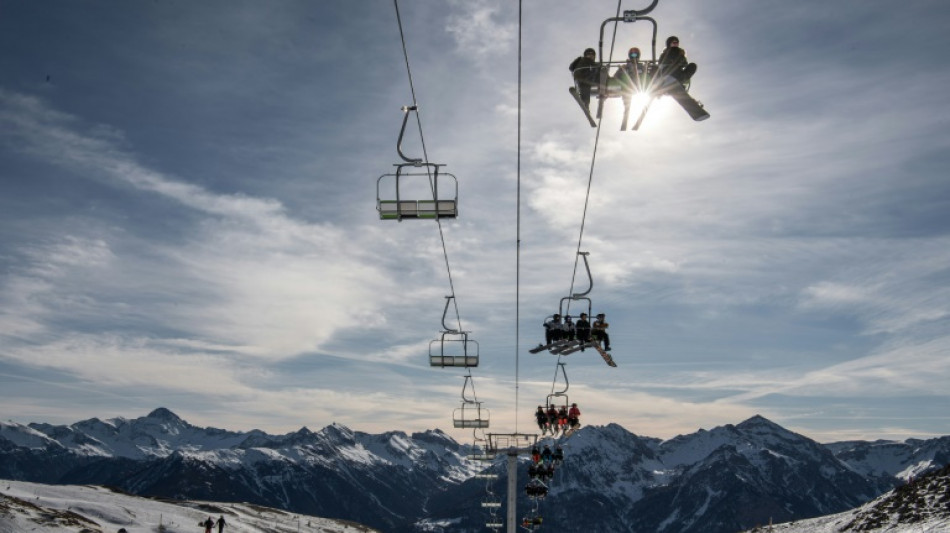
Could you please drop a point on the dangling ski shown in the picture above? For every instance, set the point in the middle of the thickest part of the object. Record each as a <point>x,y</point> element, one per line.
<point>574,348</point>
<point>584,108</point>
<point>643,113</point>
<point>550,346</point>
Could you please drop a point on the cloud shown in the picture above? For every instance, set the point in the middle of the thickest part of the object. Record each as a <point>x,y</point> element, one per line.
<point>481,30</point>
<point>248,275</point>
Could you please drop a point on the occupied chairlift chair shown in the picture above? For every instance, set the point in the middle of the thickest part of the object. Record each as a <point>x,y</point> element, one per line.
<point>564,307</point>
<point>554,396</point>
<point>453,348</point>
<point>390,187</point>
<point>611,87</point>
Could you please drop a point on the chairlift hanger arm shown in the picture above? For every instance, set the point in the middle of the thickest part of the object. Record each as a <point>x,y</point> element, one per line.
<point>445,312</point>
<point>577,295</point>
<point>402,131</point>
<point>629,16</point>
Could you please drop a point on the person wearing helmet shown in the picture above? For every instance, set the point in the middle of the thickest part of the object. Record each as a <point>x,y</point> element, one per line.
<point>582,330</point>
<point>673,61</point>
<point>631,74</point>
<point>542,418</point>
<point>574,417</point>
<point>553,329</point>
<point>586,71</point>
<point>599,331</point>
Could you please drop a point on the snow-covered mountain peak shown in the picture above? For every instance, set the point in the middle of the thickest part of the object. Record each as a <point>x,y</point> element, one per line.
<point>337,432</point>
<point>23,436</point>
<point>164,415</point>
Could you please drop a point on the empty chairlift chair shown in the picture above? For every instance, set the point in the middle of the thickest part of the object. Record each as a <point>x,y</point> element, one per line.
<point>471,414</point>
<point>417,190</point>
<point>453,348</point>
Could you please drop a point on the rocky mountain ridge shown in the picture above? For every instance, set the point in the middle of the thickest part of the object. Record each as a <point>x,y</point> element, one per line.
<point>724,479</point>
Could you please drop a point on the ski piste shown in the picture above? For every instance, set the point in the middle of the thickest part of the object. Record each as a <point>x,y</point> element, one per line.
<point>584,108</point>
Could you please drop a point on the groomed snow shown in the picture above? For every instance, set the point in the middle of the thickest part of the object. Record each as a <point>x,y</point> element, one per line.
<point>37,508</point>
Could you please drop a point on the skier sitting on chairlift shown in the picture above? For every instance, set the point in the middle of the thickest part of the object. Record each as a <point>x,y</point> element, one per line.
<point>547,456</point>
<point>568,328</point>
<point>542,418</point>
<point>631,74</point>
<point>574,417</point>
<point>586,71</point>
<point>553,329</point>
<point>552,418</point>
<point>582,330</point>
<point>558,455</point>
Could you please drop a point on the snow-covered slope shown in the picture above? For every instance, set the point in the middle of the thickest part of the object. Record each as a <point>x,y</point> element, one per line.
<point>921,506</point>
<point>38,508</point>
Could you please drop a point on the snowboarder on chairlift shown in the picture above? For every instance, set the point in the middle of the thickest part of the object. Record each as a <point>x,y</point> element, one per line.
<point>599,331</point>
<point>673,61</point>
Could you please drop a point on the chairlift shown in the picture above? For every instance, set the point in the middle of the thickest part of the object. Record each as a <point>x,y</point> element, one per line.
<point>608,86</point>
<point>482,449</point>
<point>491,503</point>
<point>471,414</point>
<point>424,200</point>
<point>565,306</point>
<point>453,348</point>
<point>555,395</point>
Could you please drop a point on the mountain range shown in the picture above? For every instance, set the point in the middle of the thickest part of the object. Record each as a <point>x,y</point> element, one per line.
<point>729,478</point>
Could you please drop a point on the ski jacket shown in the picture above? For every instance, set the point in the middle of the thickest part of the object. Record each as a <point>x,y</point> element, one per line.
<point>630,75</point>
<point>600,325</point>
<point>574,413</point>
<point>672,60</point>
<point>585,70</point>
<point>582,329</point>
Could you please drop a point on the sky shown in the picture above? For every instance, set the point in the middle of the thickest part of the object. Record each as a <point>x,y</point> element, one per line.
<point>188,215</point>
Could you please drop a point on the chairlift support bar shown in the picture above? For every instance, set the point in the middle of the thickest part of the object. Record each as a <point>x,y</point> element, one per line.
<point>629,16</point>
<point>445,312</point>
<point>406,109</point>
<point>578,295</point>
<point>567,384</point>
